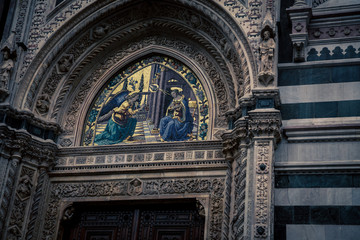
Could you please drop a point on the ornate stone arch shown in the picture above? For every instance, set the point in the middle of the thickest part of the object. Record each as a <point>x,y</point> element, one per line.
<point>110,70</point>
<point>221,41</point>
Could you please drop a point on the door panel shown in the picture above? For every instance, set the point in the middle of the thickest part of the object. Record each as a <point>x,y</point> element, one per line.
<point>136,222</point>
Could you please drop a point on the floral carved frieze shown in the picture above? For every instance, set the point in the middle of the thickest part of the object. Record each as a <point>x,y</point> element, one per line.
<point>121,188</point>
<point>316,33</point>
<point>263,186</point>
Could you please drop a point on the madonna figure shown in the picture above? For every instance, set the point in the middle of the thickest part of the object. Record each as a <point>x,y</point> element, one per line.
<point>121,125</point>
<point>177,125</point>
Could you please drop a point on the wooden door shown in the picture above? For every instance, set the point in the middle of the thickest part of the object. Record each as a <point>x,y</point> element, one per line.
<point>165,221</point>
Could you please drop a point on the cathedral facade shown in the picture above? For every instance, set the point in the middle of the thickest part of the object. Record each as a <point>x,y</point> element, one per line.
<point>179,119</point>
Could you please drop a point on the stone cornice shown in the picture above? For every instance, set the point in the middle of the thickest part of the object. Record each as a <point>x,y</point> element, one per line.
<point>138,168</point>
<point>316,167</point>
<point>137,148</point>
<point>23,146</point>
<point>323,133</point>
<point>24,119</point>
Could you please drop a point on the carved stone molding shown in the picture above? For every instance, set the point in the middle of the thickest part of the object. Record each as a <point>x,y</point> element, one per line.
<point>24,147</point>
<point>26,120</point>
<point>70,14</point>
<point>85,41</point>
<point>224,48</point>
<point>119,188</point>
<point>238,224</point>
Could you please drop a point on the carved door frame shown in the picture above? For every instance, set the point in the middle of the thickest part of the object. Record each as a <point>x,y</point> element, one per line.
<point>209,192</point>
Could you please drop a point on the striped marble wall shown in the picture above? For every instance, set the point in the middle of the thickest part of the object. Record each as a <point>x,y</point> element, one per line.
<point>317,168</point>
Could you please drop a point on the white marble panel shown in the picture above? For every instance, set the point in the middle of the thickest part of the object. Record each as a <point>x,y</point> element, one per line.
<point>317,153</point>
<point>315,196</point>
<point>305,232</point>
<point>320,92</point>
<point>356,196</point>
<point>322,232</point>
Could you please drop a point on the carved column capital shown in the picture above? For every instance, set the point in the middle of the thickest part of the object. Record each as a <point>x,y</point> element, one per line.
<point>230,144</point>
<point>42,156</point>
<point>232,139</point>
<point>15,148</point>
<point>265,123</point>
<point>231,116</point>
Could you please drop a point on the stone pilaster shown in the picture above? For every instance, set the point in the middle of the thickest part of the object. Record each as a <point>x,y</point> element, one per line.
<point>264,129</point>
<point>230,145</point>
<point>300,14</point>
<point>36,212</point>
<point>235,150</point>
<point>23,192</point>
<point>10,152</point>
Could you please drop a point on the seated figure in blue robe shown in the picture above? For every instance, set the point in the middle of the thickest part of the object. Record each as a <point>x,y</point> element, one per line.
<point>121,125</point>
<point>177,125</point>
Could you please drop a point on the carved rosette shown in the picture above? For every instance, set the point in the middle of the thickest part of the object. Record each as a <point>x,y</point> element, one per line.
<point>135,187</point>
<point>62,191</point>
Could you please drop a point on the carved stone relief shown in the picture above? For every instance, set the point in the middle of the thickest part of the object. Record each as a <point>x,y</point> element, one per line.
<point>21,202</point>
<point>267,50</point>
<point>6,67</point>
<point>65,63</point>
<point>264,128</point>
<point>43,104</point>
<point>100,31</point>
<point>135,187</point>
